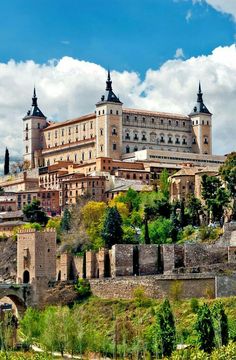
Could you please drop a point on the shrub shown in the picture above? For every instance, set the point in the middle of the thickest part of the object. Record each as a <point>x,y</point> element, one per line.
<point>194,304</point>
<point>82,286</point>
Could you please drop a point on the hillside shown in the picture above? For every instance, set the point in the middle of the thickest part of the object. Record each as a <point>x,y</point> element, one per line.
<point>7,259</point>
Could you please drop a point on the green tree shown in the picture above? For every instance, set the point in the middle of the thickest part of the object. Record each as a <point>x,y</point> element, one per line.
<point>131,198</point>
<point>6,162</point>
<point>220,320</point>
<point>166,328</point>
<point>228,173</point>
<point>31,325</point>
<point>165,184</point>
<point>205,329</point>
<point>159,230</point>
<point>66,220</point>
<point>193,209</point>
<point>34,213</point>
<point>182,221</point>
<point>215,196</point>
<point>146,232</point>
<point>112,232</point>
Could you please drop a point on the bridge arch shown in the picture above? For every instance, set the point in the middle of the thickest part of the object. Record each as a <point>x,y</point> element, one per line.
<point>18,304</point>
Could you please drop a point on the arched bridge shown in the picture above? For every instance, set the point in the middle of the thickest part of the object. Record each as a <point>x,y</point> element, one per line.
<point>19,294</point>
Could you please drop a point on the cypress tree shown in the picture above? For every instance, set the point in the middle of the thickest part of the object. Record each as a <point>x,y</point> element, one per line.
<point>166,328</point>
<point>205,329</point>
<point>6,162</point>
<point>146,232</point>
<point>66,220</point>
<point>112,232</point>
<point>221,324</point>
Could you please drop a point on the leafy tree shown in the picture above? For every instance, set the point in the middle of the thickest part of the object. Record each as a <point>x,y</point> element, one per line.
<point>215,196</point>
<point>193,209</point>
<point>31,325</point>
<point>221,324</point>
<point>228,173</point>
<point>66,220</point>
<point>160,231</point>
<point>131,198</point>
<point>112,232</point>
<point>205,329</point>
<point>34,213</point>
<point>6,162</point>
<point>34,225</point>
<point>130,235</point>
<point>93,213</point>
<point>165,184</point>
<point>166,328</point>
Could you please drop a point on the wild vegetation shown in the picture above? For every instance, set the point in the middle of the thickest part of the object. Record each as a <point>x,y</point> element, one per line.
<point>138,328</point>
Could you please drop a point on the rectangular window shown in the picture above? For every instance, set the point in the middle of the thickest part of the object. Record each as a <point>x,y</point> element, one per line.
<point>114,146</point>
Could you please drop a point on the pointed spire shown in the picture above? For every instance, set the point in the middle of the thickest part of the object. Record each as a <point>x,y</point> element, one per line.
<point>199,94</point>
<point>34,98</point>
<point>200,106</point>
<point>109,82</point>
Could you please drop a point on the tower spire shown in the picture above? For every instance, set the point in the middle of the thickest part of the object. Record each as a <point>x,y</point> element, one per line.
<point>34,98</point>
<point>109,82</point>
<point>200,107</point>
<point>199,94</point>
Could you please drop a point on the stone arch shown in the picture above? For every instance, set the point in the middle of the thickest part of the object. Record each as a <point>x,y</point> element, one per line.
<point>26,277</point>
<point>18,304</point>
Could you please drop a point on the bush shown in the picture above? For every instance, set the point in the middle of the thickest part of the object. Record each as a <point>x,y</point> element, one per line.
<point>194,304</point>
<point>83,288</point>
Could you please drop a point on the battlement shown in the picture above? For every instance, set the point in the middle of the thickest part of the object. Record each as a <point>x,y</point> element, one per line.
<point>27,231</point>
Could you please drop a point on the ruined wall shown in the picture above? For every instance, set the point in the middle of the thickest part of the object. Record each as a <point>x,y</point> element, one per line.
<point>155,286</point>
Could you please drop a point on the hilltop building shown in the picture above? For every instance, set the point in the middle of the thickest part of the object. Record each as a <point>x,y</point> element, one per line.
<point>115,132</point>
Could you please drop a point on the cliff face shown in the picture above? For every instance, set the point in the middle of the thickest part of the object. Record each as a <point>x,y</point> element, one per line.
<point>8,260</point>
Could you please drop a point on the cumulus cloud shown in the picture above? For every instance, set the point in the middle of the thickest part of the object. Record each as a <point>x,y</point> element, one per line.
<point>224,6</point>
<point>179,53</point>
<point>70,87</point>
<point>188,15</point>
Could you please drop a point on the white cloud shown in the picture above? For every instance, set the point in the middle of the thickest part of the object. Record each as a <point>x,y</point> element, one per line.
<point>224,6</point>
<point>179,53</point>
<point>69,87</point>
<point>188,15</point>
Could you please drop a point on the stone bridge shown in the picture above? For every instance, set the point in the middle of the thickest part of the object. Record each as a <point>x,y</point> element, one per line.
<point>19,294</point>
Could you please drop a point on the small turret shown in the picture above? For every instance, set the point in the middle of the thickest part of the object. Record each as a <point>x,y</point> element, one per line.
<point>109,123</point>
<point>201,126</point>
<point>34,122</point>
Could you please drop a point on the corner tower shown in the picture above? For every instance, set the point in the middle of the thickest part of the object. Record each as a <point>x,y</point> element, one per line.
<point>33,123</point>
<point>201,126</point>
<point>109,124</point>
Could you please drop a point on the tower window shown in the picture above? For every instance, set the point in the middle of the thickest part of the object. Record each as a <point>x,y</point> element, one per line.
<point>114,146</point>
<point>183,123</point>
<point>196,122</point>
<point>205,140</point>
<point>101,147</point>
<point>117,112</point>
<point>207,122</point>
<point>26,149</point>
<point>103,112</point>
<point>26,127</point>
<point>38,125</point>
<point>49,136</point>
<point>111,111</point>
<point>101,131</point>
<point>114,131</point>
<point>194,140</point>
<point>177,123</point>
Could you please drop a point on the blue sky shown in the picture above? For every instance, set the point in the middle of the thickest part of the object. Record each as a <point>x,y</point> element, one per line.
<point>122,34</point>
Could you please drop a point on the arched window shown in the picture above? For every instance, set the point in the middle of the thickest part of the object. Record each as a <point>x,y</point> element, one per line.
<point>114,132</point>
<point>26,277</point>
<point>205,140</point>
<point>127,149</point>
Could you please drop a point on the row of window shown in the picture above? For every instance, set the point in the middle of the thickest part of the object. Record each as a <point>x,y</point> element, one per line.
<point>102,112</point>
<point>155,121</point>
<point>70,130</point>
<point>203,122</point>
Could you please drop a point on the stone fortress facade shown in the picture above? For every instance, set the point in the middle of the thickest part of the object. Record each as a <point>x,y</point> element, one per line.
<point>115,132</point>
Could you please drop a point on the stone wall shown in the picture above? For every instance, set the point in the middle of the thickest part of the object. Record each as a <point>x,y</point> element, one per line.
<point>155,286</point>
